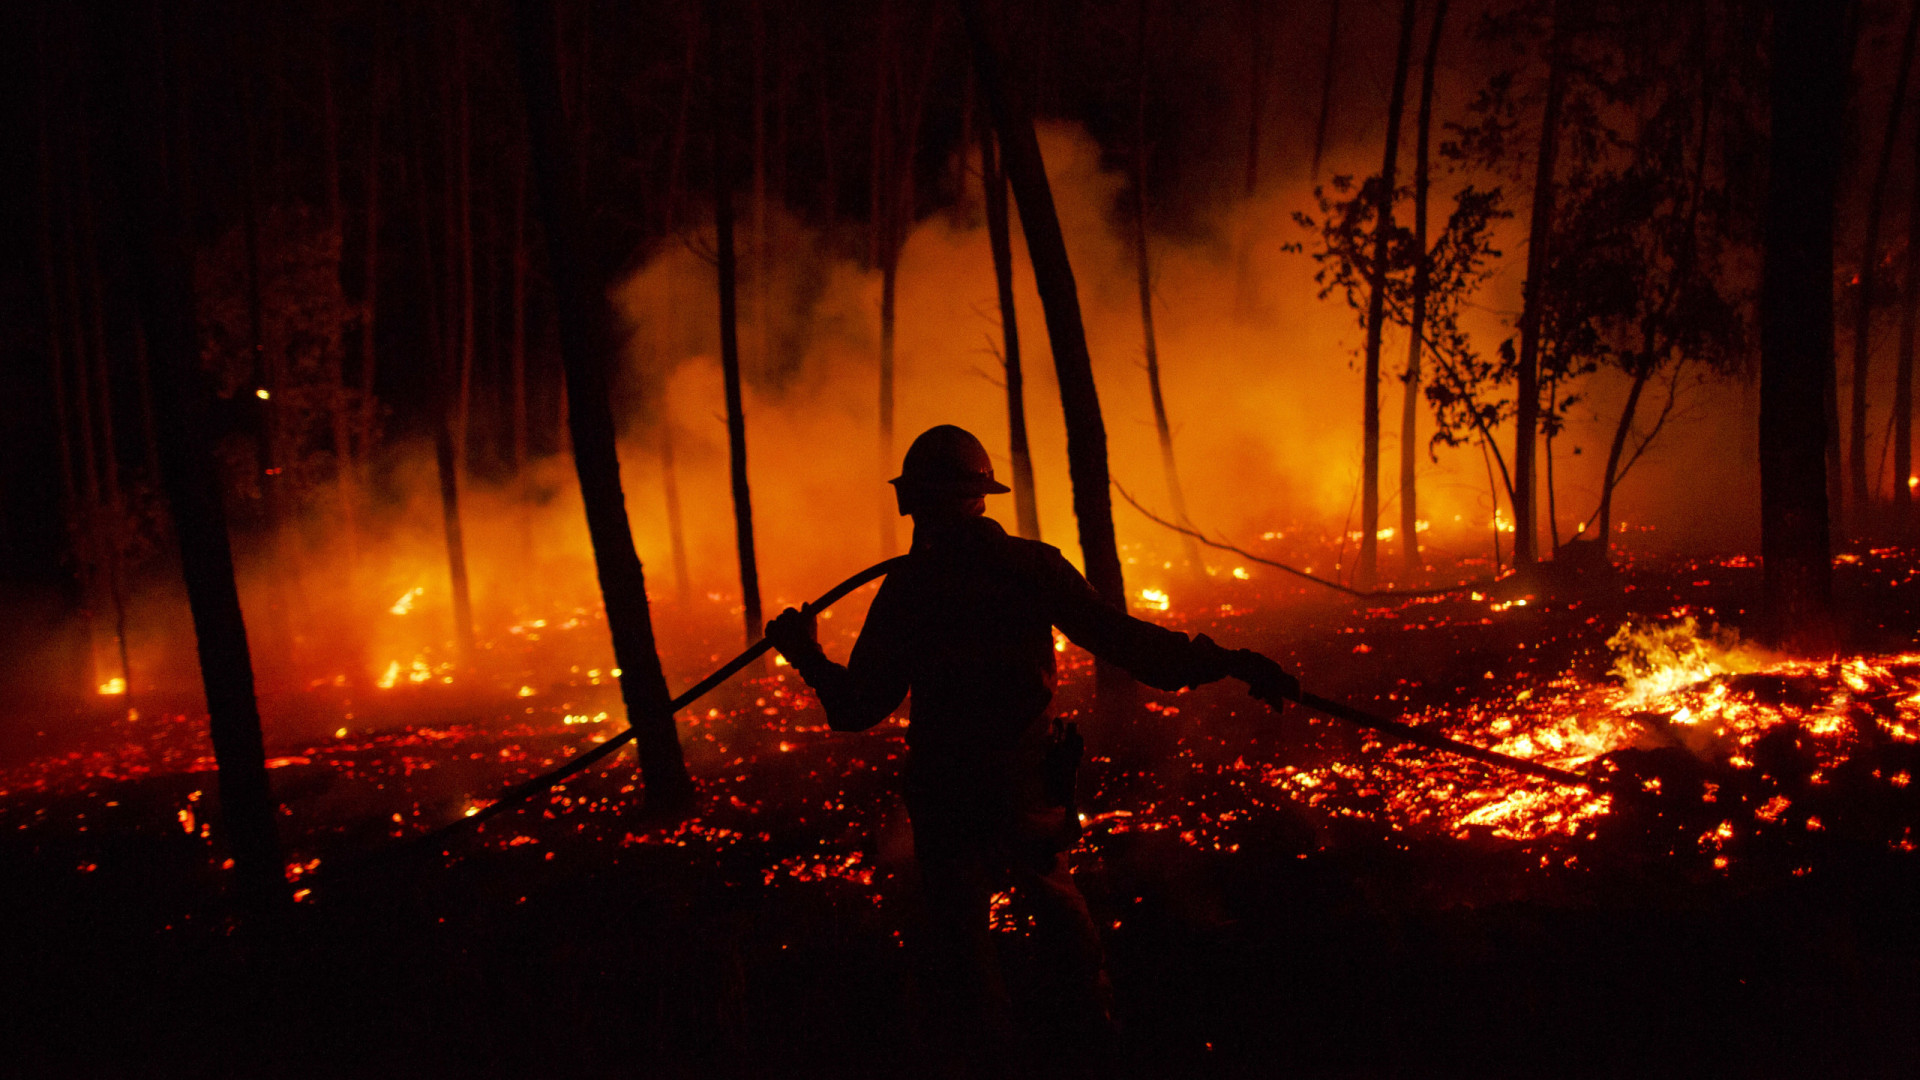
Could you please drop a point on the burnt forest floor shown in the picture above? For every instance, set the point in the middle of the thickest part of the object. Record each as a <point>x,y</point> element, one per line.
<point>1250,931</point>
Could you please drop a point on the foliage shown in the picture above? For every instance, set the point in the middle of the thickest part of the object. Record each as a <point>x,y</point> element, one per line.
<point>1459,261</point>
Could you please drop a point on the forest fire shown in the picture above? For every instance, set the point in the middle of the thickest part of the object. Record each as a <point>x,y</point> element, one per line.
<point>1432,590</point>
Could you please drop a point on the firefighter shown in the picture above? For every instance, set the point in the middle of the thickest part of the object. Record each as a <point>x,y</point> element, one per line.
<point>965,623</point>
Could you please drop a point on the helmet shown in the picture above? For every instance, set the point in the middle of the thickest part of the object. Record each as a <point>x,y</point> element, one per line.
<point>950,461</point>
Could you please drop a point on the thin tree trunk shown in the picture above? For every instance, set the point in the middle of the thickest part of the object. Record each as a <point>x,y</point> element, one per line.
<point>1553,509</point>
<point>370,287</point>
<point>71,508</point>
<point>160,272</point>
<point>1145,276</point>
<point>588,343</point>
<point>517,356</point>
<point>882,256</point>
<point>1376,309</point>
<point>1486,445</point>
<point>1869,279</point>
<point>1053,273</point>
<point>340,410</point>
<point>1539,239</point>
<point>445,458</point>
<point>676,530</point>
<point>1326,90</point>
<point>1026,510</point>
<point>762,262</point>
<point>110,519</point>
<point>1808,104</point>
<point>730,372</point>
<point>441,334</point>
<point>463,413</point>
<point>1903,375</point>
<point>284,584</point>
<point>1256,90</point>
<point>1417,323</point>
<point>1610,478</point>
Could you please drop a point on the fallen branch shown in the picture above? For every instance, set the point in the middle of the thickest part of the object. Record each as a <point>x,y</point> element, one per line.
<point>1294,570</point>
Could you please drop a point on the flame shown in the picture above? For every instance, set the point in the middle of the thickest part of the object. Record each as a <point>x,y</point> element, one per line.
<point>405,604</point>
<point>1654,661</point>
<point>1155,599</point>
<point>115,685</point>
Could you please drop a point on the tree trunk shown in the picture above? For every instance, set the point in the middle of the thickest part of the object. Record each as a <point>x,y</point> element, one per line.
<point>1326,91</point>
<point>1256,90</point>
<point>160,274</point>
<point>1539,238</point>
<point>463,413</point>
<point>1903,376</point>
<point>370,286</point>
<point>443,333</point>
<point>1808,101</point>
<point>1079,398</point>
<point>1026,511</point>
<point>588,343</point>
<point>676,530</point>
<point>283,584</point>
<point>1145,276</point>
<point>883,256</point>
<point>517,363</point>
<point>1376,310</point>
<point>445,458</point>
<point>340,412</point>
<point>730,372</point>
<point>1869,279</point>
<point>1417,322</point>
<point>1610,478</point>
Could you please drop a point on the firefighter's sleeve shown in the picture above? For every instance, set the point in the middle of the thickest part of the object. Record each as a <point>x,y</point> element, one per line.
<point>1163,659</point>
<point>871,684</point>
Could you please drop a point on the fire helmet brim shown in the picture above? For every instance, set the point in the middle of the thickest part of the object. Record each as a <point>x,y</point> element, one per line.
<point>965,485</point>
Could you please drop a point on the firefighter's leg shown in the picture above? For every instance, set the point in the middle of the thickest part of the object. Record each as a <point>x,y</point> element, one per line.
<point>966,1000</point>
<point>1070,950</point>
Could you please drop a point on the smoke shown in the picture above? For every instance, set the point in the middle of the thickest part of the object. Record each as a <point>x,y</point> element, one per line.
<point>1261,379</point>
<point>1262,385</point>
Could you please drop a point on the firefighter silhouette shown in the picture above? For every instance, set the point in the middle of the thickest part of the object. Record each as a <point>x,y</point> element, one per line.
<point>964,622</point>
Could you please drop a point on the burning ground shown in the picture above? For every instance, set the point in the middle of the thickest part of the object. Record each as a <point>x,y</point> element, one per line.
<point>1277,892</point>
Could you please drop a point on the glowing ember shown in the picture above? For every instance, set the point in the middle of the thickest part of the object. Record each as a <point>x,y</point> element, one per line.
<point>404,605</point>
<point>115,685</point>
<point>1154,599</point>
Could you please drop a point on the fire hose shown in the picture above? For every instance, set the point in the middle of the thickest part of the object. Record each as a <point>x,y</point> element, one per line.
<point>1275,692</point>
<point>1275,696</point>
<point>526,789</point>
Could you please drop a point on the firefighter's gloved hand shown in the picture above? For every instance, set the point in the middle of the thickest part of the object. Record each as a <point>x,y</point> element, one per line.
<point>1209,661</point>
<point>794,634</point>
<point>1265,678</point>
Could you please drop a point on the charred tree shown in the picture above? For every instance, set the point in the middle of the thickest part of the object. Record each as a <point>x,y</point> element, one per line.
<point>1079,398</point>
<point>676,530</point>
<point>730,368</point>
<point>587,345</point>
<point>1376,309</point>
<point>1860,488</point>
<point>885,256</point>
<point>1144,271</point>
<point>158,264</point>
<point>1026,510</point>
<point>1539,239</point>
<point>1808,103</point>
<point>1903,375</point>
<point>1326,90</point>
<point>1417,319</point>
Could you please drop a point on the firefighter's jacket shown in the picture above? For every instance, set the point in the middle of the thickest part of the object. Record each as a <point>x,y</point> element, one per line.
<point>965,624</point>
